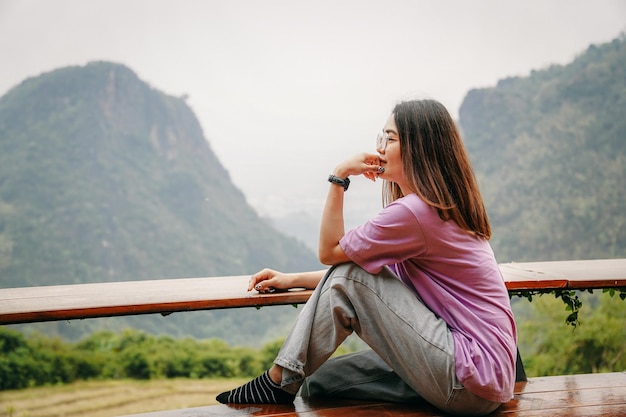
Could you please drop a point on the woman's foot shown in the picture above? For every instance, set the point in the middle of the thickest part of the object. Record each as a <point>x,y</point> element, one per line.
<point>261,390</point>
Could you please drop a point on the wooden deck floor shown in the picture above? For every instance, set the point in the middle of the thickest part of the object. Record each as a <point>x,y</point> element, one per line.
<point>557,396</point>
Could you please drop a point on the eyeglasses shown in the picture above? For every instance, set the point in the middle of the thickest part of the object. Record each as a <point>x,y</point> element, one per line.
<point>381,141</point>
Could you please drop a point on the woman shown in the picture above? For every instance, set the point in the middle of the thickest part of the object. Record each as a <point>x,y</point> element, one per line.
<point>418,283</point>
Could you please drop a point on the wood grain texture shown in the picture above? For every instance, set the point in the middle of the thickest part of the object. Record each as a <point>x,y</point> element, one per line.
<point>577,274</point>
<point>560,396</point>
<point>67,302</point>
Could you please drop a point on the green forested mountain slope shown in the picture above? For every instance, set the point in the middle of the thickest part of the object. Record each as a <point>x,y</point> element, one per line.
<point>550,153</point>
<point>104,178</point>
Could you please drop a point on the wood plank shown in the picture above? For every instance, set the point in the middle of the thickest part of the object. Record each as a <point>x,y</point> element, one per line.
<point>576,274</point>
<point>67,302</point>
<point>518,276</point>
<point>582,411</point>
<point>304,408</point>
<point>572,382</point>
<point>562,396</point>
<point>569,395</point>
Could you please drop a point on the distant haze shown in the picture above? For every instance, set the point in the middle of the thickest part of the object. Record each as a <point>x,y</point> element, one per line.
<point>284,90</point>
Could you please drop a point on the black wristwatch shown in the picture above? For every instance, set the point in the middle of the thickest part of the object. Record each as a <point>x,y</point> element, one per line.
<point>345,183</point>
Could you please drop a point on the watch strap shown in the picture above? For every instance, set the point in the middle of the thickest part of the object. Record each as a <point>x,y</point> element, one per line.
<point>344,182</point>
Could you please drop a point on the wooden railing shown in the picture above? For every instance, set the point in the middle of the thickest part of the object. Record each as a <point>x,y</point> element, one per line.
<point>68,302</point>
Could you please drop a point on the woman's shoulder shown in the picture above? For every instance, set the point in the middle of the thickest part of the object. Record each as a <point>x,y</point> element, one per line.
<point>414,203</point>
<point>410,208</point>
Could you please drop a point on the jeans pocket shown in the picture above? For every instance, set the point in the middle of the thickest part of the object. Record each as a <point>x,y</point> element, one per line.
<point>457,390</point>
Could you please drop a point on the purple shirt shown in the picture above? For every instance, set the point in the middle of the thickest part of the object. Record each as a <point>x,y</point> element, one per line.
<point>456,275</point>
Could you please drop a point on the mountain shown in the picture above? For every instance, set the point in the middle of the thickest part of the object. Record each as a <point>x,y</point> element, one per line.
<point>104,178</point>
<point>549,150</point>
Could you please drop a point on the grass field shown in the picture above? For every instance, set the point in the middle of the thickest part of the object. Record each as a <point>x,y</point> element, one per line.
<point>111,398</point>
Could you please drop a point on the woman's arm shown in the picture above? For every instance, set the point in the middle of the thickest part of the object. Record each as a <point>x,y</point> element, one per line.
<point>332,224</point>
<point>268,279</point>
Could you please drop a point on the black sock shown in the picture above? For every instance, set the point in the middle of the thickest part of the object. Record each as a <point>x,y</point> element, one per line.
<point>261,390</point>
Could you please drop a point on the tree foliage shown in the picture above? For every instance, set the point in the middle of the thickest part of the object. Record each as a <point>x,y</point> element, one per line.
<point>129,354</point>
<point>39,360</point>
<point>596,345</point>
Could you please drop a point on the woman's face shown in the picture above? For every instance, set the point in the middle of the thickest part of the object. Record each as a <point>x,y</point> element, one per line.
<point>390,157</point>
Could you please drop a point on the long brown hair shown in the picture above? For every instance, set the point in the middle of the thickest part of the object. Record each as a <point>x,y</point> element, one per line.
<point>436,165</point>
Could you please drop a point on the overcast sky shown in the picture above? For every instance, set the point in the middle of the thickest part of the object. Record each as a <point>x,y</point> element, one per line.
<point>285,89</point>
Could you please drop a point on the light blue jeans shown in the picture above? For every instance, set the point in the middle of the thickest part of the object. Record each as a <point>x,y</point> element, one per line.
<point>412,356</point>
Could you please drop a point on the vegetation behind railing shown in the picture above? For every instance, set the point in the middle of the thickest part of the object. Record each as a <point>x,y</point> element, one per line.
<point>570,298</point>
<point>40,360</point>
<point>549,346</point>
